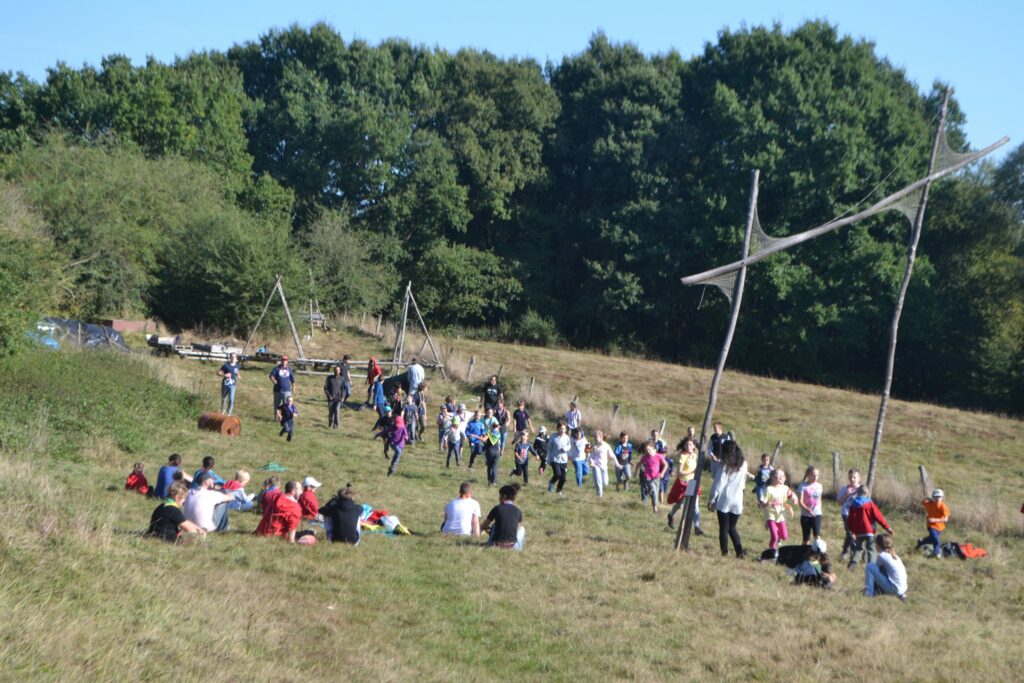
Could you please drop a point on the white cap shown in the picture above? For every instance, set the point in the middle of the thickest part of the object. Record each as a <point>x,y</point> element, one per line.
<point>820,546</point>
<point>462,406</point>
<point>310,483</point>
<point>937,493</point>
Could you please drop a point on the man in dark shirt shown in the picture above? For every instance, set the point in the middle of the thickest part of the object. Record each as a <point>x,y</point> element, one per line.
<point>505,521</point>
<point>167,520</point>
<point>341,517</point>
<point>334,390</point>
<point>284,383</point>
<point>492,392</point>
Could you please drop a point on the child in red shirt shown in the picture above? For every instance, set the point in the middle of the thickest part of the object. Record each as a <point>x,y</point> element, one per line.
<point>307,501</point>
<point>136,481</point>
<point>864,515</point>
<point>283,516</point>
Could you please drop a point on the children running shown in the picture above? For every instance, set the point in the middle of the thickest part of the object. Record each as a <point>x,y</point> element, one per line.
<point>938,515</point>
<point>286,414</point>
<point>776,501</point>
<point>652,469</point>
<point>522,452</point>
<point>809,494</point>
<point>845,499</point>
<point>864,515</point>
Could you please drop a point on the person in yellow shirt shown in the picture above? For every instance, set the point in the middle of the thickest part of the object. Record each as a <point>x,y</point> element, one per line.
<point>938,515</point>
<point>686,453</point>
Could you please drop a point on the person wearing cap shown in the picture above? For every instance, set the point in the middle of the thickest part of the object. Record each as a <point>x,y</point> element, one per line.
<point>307,501</point>
<point>206,507</point>
<point>284,382</point>
<point>283,516</point>
<point>938,515</point>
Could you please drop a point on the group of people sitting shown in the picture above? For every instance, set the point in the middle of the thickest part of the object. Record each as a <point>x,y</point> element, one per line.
<point>193,506</point>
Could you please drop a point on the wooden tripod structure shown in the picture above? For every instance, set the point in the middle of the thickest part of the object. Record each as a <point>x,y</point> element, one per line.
<point>277,289</point>
<point>399,352</point>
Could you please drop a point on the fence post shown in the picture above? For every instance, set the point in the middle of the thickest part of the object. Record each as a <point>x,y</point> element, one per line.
<point>925,486</point>
<point>615,412</point>
<point>530,393</point>
<point>500,368</point>
<point>362,321</point>
<point>380,318</point>
<point>835,473</point>
<point>661,431</point>
<point>778,449</point>
<point>469,372</point>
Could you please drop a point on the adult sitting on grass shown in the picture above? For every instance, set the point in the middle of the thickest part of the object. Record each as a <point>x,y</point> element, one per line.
<point>887,575</point>
<point>283,516</point>
<point>168,474</point>
<point>207,507</point>
<point>462,514</point>
<point>504,522</point>
<point>168,522</point>
<point>341,517</point>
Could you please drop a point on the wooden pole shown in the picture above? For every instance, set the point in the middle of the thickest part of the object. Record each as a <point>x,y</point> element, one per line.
<point>498,374</point>
<point>835,473</point>
<point>915,237</point>
<point>685,528</point>
<point>778,449</point>
<point>426,333</point>
<point>615,412</point>
<point>273,290</point>
<point>380,318</point>
<point>291,322</point>
<point>469,372</point>
<point>362,321</point>
<point>530,393</point>
<point>422,346</point>
<point>661,431</point>
<point>310,318</point>
<point>925,484</point>
<point>400,327</point>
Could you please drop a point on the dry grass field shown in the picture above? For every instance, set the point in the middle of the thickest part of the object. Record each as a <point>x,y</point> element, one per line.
<point>597,594</point>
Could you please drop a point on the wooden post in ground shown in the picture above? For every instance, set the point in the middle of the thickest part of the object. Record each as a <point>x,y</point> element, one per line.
<point>422,346</point>
<point>344,317</point>
<point>498,374</point>
<point>469,371</point>
<point>291,322</point>
<point>835,473</point>
<point>615,412</point>
<point>273,291</point>
<point>362,321</point>
<point>426,333</point>
<point>529,394</point>
<point>778,449</point>
<point>915,237</point>
<point>661,431</point>
<point>683,535</point>
<point>926,486</point>
<point>380,319</point>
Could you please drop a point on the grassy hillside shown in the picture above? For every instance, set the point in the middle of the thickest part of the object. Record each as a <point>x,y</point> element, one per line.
<point>598,593</point>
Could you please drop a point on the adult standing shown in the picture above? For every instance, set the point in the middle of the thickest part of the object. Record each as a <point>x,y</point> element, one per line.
<point>715,442</point>
<point>559,446</point>
<point>334,390</point>
<point>380,401</point>
<point>462,514</point>
<point>206,507</point>
<point>503,417</point>
<point>373,371</point>
<point>229,380</point>
<point>416,375</point>
<point>346,378</point>
<point>727,496</point>
<point>284,383</point>
<point>492,393</point>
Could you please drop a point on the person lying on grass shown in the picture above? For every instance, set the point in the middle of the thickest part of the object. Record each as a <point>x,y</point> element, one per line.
<point>504,523</point>
<point>168,522</point>
<point>283,516</point>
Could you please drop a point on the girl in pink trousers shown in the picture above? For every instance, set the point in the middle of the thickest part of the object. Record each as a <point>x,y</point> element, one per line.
<point>776,500</point>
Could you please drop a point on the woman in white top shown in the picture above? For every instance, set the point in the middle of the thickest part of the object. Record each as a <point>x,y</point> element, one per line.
<point>886,575</point>
<point>600,454</point>
<point>727,496</point>
<point>559,446</point>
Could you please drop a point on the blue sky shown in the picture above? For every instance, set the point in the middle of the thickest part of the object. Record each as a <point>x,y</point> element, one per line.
<point>976,46</point>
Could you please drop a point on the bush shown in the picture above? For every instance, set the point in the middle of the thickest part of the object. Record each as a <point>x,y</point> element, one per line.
<point>539,330</point>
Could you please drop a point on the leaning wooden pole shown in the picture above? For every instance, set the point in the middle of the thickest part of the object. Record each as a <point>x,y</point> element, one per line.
<point>426,333</point>
<point>273,291</point>
<point>685,528</point>
<point>396,357</point>
<point>915,237</point>
<point>291,321</point>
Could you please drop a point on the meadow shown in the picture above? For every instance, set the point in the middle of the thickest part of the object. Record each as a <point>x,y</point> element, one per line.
<point>598,592</point>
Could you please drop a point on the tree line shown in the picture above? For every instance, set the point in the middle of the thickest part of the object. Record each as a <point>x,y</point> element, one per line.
<point>542,203</point>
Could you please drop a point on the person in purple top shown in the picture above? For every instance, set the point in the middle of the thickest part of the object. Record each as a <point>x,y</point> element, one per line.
<point>397,436</point>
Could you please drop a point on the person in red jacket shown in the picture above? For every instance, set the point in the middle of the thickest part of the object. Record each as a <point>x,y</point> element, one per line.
<point>283,515</point>
<point>864,515</point>
<point>307,501</point>
<point>136,481</point>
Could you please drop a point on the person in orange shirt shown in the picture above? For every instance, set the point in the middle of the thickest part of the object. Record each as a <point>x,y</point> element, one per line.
<point>938,515</point>
<point>283,515</point>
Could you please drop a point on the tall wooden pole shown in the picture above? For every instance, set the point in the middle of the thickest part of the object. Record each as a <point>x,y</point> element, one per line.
<point>273,291</point>
<point>915,237</point>
<point>683,535</point>
<point>426,333</point>
<point>291,322</point>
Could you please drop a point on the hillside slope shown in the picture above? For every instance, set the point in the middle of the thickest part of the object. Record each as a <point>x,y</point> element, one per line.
<point>597,592</point>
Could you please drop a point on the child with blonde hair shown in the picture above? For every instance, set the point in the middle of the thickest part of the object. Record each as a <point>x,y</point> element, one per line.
<point>809,496</point>
<point>775,501</point>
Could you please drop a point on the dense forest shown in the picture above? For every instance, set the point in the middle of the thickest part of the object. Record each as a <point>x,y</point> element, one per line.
<point>547,204</point>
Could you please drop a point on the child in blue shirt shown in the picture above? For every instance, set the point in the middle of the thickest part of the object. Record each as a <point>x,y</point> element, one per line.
<point>763,477</point>
<point>287,412</point>
<point>624,454</point>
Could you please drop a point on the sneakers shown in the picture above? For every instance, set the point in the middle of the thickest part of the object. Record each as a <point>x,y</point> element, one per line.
<point>903,598</point>
<point>697,530</point>
<point>920,543</point>
<point>671,522</point>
